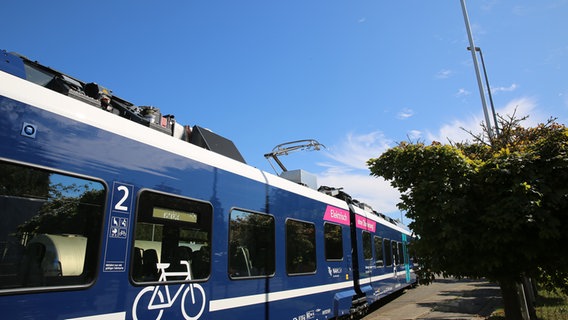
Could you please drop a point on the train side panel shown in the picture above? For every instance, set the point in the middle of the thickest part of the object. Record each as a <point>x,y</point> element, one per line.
<point>104,218</point>
<point>125,171</point>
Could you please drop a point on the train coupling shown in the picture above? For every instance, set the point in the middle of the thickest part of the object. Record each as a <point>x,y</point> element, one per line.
<point>359,308</point>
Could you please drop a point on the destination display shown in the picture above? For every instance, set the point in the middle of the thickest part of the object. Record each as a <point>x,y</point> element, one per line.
<point>176,215</point>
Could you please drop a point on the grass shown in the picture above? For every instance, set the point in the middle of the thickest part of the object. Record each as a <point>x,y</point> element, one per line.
<point>550,305</point>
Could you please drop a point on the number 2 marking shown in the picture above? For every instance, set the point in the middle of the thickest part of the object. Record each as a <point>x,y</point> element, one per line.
<point>119,205</point>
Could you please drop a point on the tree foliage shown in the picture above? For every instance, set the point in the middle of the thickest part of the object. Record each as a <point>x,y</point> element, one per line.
<point>496,209</point>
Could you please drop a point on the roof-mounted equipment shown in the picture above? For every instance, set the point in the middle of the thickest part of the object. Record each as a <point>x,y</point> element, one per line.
<point>284,149</point>
<point>103,98</point>
<point>299,176</point>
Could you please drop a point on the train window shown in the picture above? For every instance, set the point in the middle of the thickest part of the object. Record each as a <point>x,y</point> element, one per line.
<point>388,253</point>
<point>378,251</point>
<point>300,247</point>
<point>51,228</point>
<point>333,241</point>
<point>251,244</point>
<point>367,246</point>
<point>173,236</point>
<point>400,253</point>
<point>395,258</point>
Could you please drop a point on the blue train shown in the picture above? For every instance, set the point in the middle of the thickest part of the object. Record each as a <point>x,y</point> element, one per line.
<point>115,211</point>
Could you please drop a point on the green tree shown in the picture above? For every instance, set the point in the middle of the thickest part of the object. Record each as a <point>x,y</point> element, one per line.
<point>496,209</point>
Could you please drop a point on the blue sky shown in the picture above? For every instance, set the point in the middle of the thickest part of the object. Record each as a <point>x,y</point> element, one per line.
<point>358,76</point>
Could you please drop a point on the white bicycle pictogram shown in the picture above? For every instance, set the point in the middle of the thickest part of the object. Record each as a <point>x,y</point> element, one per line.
<point>157,301</point>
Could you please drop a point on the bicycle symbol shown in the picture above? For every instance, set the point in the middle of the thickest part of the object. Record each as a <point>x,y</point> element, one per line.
<point>157,302</point>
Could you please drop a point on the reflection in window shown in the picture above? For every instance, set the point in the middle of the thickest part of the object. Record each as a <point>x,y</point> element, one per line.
<point>172,230</point>
<point>378,251</point>
<point>300,247</point>
<point>367,246</point>
<point>333,241</point>
<point>388,253</point>
<point>50,230</point>
<point>400,253</point>
<point>251,244</point>
<point>395,253</point>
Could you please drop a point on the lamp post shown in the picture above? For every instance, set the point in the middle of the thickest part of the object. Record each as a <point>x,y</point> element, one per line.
<point>478,49</point>
<point>476,66</point>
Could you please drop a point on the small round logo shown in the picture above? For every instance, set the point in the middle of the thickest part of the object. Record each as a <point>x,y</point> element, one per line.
<point>29,130</point>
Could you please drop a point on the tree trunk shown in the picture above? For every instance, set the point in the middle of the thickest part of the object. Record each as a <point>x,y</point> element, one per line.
<point>511,300</point>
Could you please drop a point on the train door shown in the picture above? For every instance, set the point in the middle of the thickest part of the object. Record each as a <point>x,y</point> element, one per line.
<point>401,262</point>
<point>171,256</point>
<point>364,263</point>
<point>380,272</point>
<point>380,265</point>
<point>340,257</point>
<point>385,272</point>
<point>406,257</point>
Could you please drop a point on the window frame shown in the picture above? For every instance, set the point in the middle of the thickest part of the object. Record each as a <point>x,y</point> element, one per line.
<point>401,253</point>
<point>327,258</point>
<point>396,258</point>
<point>92,258</point>
<point>144,215</point>
<point>388,252</point>
<point>266,275</point>
<point>367,245</point>
<point>379,261</point>
<point>287,246</point>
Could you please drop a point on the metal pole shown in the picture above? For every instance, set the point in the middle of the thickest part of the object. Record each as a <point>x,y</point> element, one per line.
<point>489,92</point>
<point>477,73</point>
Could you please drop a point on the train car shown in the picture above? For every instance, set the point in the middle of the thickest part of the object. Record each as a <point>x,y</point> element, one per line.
<point>115,211</point>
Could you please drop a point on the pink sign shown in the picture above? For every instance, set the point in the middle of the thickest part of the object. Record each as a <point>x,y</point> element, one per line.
<point>337,215</point>
<point>365,224</point>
